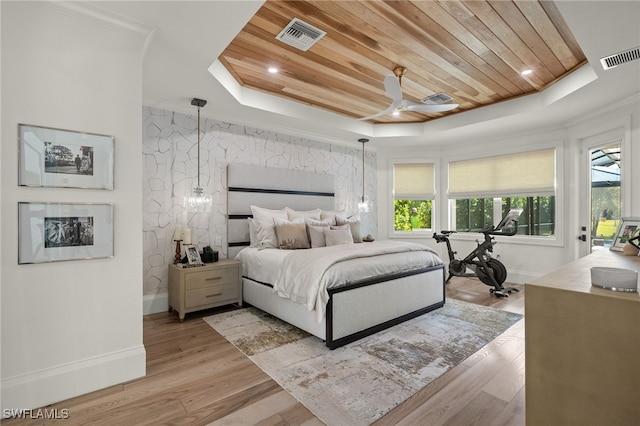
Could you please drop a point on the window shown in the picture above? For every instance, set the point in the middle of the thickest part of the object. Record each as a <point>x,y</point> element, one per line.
<point>413,193</point>
<point>475,214</point>
<point>482,191</point>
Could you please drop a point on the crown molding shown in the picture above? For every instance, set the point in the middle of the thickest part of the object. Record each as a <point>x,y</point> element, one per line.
<point>95,14</point>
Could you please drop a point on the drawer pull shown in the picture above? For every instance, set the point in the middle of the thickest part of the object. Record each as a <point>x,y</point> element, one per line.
<point>214,295</point>
<point>212,279</point>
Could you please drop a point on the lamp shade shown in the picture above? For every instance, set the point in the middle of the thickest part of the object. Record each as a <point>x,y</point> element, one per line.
<point>198,201</point>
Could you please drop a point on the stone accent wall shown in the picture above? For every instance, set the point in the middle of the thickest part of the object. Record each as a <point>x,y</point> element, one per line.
<point>170,155</point>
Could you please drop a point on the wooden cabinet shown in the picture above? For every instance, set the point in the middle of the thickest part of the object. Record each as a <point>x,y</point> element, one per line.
<point>582,347</point>
<point>203,287</point>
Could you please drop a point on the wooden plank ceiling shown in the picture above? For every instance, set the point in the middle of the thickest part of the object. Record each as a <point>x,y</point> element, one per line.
<point>474,51</point>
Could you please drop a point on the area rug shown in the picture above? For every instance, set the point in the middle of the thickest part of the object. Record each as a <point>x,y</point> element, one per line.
<point>359,383</point>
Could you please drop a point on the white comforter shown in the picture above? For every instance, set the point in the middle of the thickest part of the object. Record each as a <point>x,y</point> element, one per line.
<point>305,276</point>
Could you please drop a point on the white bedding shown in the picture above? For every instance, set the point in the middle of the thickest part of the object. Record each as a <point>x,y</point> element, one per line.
<point>305,276</point>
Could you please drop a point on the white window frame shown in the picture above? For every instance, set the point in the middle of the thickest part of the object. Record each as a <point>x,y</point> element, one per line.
<point>558,239</point>
<point>423,233</point>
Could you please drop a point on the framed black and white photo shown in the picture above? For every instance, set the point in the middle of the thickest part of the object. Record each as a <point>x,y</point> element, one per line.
<point>64,158</point>
<point>53,232</point>
<point>629,228</point>
<point>193,257</point>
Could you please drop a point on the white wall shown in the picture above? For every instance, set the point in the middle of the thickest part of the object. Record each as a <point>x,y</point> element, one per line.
<point>525,259</point>
<point>170,170</point>
<point>69,328</point>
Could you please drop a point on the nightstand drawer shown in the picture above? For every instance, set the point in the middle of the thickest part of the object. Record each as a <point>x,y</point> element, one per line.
<point>202,279</point>
<point>212,294</point>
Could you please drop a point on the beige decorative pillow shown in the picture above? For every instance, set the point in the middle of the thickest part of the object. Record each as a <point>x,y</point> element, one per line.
<point>316,235</point>
<point>295,214</point>
<point>334,237</point>
<point>314,231</point>
<point>291,235</point>
<point>260,213</point>
<point>354,223</point>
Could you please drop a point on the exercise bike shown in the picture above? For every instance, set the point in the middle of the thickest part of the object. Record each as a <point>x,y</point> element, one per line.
<point>479,263</point>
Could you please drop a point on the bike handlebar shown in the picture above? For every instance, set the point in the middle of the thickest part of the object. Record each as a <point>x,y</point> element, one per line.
<point>487,231</point>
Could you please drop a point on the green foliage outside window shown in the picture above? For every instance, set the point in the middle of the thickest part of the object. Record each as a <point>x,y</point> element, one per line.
<point>605,212</point>
<point>407,219</point>
<point>538,217</point>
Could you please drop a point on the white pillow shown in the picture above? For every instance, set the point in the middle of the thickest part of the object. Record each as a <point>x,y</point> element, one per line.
<point>295,214</point>
<point>334,237</point>
<point>345,226</point>
<point>291,235</point>
<point>331,215</point>
<point>260,213</point>
<point>265,234</point>
<point>354,224</point>
<point>323,222</point>
<point>253,236</point>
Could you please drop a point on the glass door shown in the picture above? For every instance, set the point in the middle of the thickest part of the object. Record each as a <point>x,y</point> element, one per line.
<point>605,196</point>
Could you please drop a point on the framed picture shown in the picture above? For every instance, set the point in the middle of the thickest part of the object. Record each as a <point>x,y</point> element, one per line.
<point>192,255</point>
<point>52,232</point>
<point>629,228</point>
<point>64,158</point>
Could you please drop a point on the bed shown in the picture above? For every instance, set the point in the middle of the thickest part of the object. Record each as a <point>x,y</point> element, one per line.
<point>352,288</point>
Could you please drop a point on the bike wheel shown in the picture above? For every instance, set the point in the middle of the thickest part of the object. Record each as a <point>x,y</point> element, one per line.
<point>499,272</point>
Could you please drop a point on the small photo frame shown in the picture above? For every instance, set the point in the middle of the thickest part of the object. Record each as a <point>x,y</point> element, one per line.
<point>629,228</point>
<point>53,232</point>
<point>193,256</point>
<point>64,158</point>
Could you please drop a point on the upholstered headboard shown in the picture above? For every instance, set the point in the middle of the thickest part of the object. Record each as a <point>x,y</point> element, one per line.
<point>271,188</point>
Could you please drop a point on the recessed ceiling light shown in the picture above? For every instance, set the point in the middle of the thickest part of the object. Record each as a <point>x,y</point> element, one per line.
<point>273,70</point>
<point>395,113</point>
<point>526,72</point>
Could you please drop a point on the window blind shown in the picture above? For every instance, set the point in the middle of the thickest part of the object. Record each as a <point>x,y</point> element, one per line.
<point>525,173</point>
<point>413,181</point>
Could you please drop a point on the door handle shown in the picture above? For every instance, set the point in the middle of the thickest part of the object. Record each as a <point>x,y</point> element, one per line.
<point>582,237</point>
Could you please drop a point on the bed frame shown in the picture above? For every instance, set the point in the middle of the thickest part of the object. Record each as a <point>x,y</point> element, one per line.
<point>353,311</point>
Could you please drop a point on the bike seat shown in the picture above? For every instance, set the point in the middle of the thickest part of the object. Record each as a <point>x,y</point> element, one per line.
<point>448,232</point>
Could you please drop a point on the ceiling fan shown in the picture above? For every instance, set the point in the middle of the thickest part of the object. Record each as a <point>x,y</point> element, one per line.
<point>392,84</point>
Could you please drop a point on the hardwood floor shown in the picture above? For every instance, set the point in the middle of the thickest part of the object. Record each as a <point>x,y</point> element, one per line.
<point>195,377</point>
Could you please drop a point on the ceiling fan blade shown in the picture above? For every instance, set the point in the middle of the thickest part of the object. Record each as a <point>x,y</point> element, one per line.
<point>392,86</point>
<point>369,117</point>
<point>431,108</point>
<point>391,108</point>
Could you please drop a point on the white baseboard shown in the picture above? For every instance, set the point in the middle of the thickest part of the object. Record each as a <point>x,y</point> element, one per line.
<point>152,304</point>
<point>40,388</point>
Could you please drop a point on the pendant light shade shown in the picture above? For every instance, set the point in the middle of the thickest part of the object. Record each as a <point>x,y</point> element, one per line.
<point>363,201</point>
<point>198,201</point>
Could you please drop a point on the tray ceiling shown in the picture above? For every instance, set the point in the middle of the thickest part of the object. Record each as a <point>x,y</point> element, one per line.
<point>474,51</point>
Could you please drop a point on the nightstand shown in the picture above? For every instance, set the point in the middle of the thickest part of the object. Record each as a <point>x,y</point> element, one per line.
<point>203,287</point>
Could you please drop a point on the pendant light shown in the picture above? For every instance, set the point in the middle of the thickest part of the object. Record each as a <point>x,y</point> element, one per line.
<point>198,200</point>
<point>363,202</point>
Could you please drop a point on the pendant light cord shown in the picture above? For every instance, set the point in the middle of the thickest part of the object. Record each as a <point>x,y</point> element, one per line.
<point>198,147</point>
<point>363,171</point>
<point>363,141</point>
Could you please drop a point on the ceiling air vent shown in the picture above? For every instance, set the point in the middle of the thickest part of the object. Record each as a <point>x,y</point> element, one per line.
<point>620,58</point>
<point>300,35</point>
<point>437,99</point>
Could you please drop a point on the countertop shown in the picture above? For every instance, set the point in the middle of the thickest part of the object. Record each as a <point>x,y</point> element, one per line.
<point>576,276</point>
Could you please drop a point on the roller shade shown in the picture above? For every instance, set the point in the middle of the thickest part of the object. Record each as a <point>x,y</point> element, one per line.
<point>413,181</point>
<point>525,173</point>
